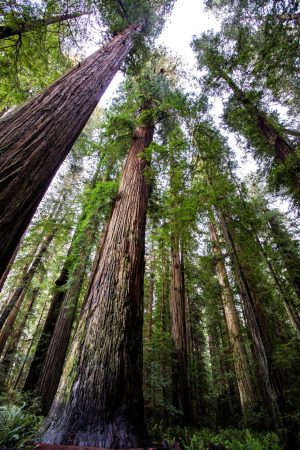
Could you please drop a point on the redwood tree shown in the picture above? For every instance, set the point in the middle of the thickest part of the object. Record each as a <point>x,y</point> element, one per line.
<point>35,139</point>
<point>103,403</point>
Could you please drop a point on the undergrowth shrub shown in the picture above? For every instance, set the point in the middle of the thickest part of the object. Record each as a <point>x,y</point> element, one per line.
<point>231,439</point>
<point>19,421</point>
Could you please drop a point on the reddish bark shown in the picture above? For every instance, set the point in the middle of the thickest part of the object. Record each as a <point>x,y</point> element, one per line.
<point>36,138</point>
<point>103,403</point>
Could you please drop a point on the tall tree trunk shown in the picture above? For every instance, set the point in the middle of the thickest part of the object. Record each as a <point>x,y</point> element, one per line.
<point>12,345</point>
<point>30,25</point>
<point>102,404</point>
<point>150,298</point>
<point>282,149</point>
<point>288,252</point>
<point>291,260</point>
<point>32,341</point>
<point>242,370</point>
<point>20,292</point>
<point>270,389</point>
<point>35,139</point>
<point>52,367</point>
<point>52,359</point>
<point>47,332</point>
<point>178,332</point>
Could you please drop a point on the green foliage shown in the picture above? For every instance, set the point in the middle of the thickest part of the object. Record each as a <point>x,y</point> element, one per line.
<point>232,439</point>
<point>19,422</point>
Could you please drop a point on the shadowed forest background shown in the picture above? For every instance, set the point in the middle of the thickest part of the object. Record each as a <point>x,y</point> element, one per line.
<point>149,276</point>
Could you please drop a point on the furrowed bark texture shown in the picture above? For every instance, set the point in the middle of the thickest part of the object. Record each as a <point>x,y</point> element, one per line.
<point>19,294</point>
<point>35,139</point>
<point>178,332</point>
<point>242,370</point>
<point>100,402</point>
<point>269,385</point>
<point>24,26</point>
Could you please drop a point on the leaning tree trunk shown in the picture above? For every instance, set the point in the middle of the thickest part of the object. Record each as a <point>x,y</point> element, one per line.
<point>19,378</point>
<point>101,404</point>
<point>47,332</point>
<point>19,294</point>
<point>288,252</point>
<point>282,149</point>
<point>51,369</point>
<point>270,390</point>
<point>12,345</point>
<point>35,139</point>
<point>242,371</point>
<point>178,333</point>
<point>34,24</point>
<point>82,242</point>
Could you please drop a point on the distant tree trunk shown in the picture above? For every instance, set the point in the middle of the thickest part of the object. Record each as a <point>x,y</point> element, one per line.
<point>102,404</point>
<point>34,24</point>
<point>282,149</point>
<point>164,290</point>
<point>12,345</point>
<point>242,370</point>
<point>178,332</point>
<point>289,254</point>
<point>47,332</point>
<point>52,367</point>
<point>19,294</point>
<point>150,298</point>
<point>290,258</point>
<point>52,359</point>
<point>36,138</point>
<point>270,390</point>
<point>287,300</point>
<point>32,341</point>
<point>223,406</point>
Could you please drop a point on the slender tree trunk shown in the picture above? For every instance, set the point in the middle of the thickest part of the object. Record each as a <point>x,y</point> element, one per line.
<point>53,354</point>
<point>102,404</point>
<point>30,25</point>
<point>20,292</point>
<point>242,370</point>
<point>270,389</point>
<point>47,332</point>
<point>287,301</point>
<point>289,256</point>
<point>36,138</point>
<point>292,262</point>
<point>52,367</point>
<point>178,332</point>
<point>282,149</point>
<point>12,345</point>
<point>36,332</point>
<point>149,329</point>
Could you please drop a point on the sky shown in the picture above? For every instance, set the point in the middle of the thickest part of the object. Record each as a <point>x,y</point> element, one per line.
<point>188,18</point>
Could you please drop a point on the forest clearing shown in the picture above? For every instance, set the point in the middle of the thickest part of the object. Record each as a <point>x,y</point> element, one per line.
<point>149,224</point>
